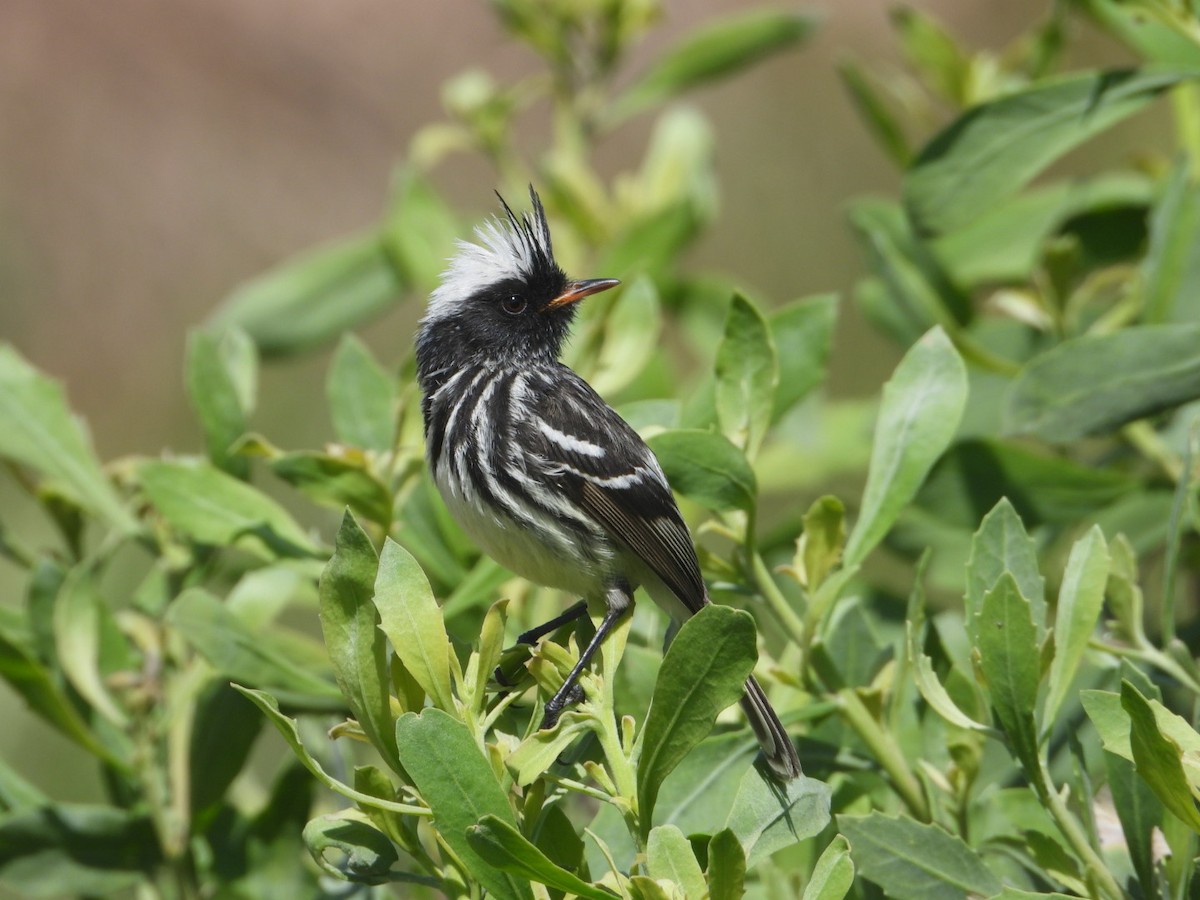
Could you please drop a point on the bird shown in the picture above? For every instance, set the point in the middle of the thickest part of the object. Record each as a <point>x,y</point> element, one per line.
<point>536,467</point>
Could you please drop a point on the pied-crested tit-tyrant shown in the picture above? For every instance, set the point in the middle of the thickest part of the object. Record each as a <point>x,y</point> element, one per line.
<point>549,480</point>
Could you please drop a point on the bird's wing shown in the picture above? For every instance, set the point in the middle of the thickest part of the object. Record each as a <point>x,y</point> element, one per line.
<point>607,470</point>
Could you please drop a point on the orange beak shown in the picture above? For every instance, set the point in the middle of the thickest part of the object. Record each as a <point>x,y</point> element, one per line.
<point>577,290</point>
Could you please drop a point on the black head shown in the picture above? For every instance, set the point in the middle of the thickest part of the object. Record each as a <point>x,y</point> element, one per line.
<point>502,297</point>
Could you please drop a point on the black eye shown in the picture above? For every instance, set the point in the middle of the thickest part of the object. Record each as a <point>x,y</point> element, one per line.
<point>514,305</point>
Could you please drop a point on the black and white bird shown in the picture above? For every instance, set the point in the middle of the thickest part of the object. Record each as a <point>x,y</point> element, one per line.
<point>546,477</point>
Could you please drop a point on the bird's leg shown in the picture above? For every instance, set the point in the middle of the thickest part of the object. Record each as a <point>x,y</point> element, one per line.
<point>533,635</point>
<point>618,601</point>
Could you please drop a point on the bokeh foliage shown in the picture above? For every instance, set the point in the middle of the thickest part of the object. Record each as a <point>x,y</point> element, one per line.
<point>1026,728</point>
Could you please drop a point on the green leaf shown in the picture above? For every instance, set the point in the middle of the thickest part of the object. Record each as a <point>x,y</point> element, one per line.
<point>224,730</point>
<point>1010,664</point>
<point>974,476</point>
<point>363,397</point>
<point>538,752</point>
<point>643,887</point>
<point>222,375</point>
<point>1080,600</point>
<point>932,689</point>
<point>350,624</point>
<point>336,481</point>
<point>287,727</point>
<point>313,298</point>
<point>703,672</point>
<point>499,844</point>
<point>1159,758</point>
<point>1110,721</point>
<point>995,148</point>
<point>1171,267</point>
<point>210,507</point>
<point>669,857</point>
<point>702,788</point>
<point>444,761</point>
<point>239,653</point>
<point>1160,41</point>
<point>1002,545</point>
<point>678,165</point>
<point>1007,241</point>
<point>726,872</point>
<point>366,855</point>
<point>1096,383</point>
<point>412,621</point>
<point>875,108</point>
<point>420,230</point>
<point>915,861</point>
<point>16,792</point>
<point>706,467</point>
<point>652,242</point>
<point>272,840</point>
<point>802,333</point>
<point>768,816</point>
<point>1140,812</point>
<point>77,623</point>
<point>30,678</point>
<point>822,541</point>
<point>38,430</point>
<point>714,51</point>
<point>747,370</point>
<point>922,405</point>
<point>932,52</point>
<point>489,650</point>
<point>76,850</point>
<point>630,328</point>
<point>910,293</point>
<point>834,873</point>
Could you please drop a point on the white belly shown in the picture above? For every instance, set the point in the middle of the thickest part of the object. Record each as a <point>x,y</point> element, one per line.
<point>517,546</point>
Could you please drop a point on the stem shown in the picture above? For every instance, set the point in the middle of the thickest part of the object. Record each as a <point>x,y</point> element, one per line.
<point>1148,653</point>
<point>622,774</point>
<point>1150,444</point>
<point>1185,102</point>
<point>1072,831</point>
<point>884,748</point>
<point>774,596</point>
<point>577,787</point>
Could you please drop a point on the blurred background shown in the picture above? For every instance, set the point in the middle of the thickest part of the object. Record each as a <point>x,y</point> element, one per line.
<point>155,155</point>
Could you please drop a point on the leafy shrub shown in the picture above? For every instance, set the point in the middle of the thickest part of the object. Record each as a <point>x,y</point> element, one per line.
<point>1032,454</point>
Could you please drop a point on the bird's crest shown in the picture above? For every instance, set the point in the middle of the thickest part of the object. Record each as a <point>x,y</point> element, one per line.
<point>516,246</point>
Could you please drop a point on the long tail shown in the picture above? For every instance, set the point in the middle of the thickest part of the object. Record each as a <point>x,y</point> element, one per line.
<point>776,745</point>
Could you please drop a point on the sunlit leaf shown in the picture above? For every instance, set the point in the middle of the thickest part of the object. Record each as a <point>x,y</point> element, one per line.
<point>1094,383</point>
<point>502,846</point>
<point>922,405</point>
<point>995,148</point>
<point>314,298</point>
<point>703,672</point>
<point>211,507</point>
<point>834,873</point>
<point>768,816</point>
<point>715,50</point>
<point>350,625</point>
<point>669,857</point>
<point>37,429</point>
<point>412,621</point>
<point>1010,664</point>
<point>363,397</point>
<point>1079,603</point>
<point>452,775</point>
<point>914,860</point>
<point>704,466</point>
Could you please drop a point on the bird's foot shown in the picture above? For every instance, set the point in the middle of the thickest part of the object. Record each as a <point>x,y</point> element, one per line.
<point>558,703</point>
